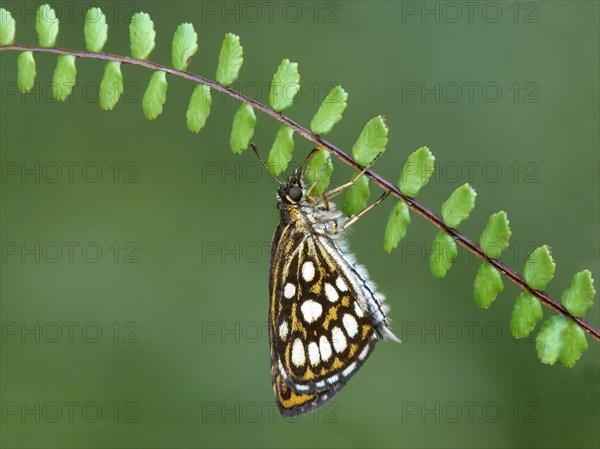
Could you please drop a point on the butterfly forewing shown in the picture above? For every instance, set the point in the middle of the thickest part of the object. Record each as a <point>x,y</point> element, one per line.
<point>328,335</point>
<point>320,332</point>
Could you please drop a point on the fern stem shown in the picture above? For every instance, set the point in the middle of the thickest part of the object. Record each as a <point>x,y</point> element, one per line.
<point>386,185</point>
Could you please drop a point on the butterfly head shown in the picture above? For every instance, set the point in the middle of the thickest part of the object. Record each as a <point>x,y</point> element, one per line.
<point>291,192</point>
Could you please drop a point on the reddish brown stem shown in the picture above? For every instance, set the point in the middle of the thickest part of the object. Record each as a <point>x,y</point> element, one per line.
<point>462,240</point>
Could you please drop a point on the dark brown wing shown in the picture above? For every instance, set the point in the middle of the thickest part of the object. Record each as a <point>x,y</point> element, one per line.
<point>319,333</point>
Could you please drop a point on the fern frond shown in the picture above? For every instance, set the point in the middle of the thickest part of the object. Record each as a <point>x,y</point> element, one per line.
<point>561,338</point>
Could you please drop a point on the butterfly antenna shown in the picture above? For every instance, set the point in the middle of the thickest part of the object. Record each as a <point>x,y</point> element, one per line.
<point>262,161</point>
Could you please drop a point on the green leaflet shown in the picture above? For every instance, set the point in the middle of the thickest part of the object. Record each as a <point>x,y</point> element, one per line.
<point>357,195</point>
<point>155,96</point>
<point>525,315</point>
<point>330,112</point>
<point>560,339</point>
<point>488,283</point>
<point>95,30</point>
<point>141,36</point>
<point>243,128</point>
<point>64,78</point>
<point>459,205</point>
<point>443,254</point>
<point>25,71</point>
<point>496,235</point>
<point>185,45</point>
<point>46,26</point>
<point>7,28</point>
<point>281,151</point>
<point>416,171</point>
<point>198,108</point>
<point>397,226</point>
<point>371,142</point>
<point>539,268</point>
<point>320,170</point>
<point>111,86</point>
<point>578,298</point>
<point>285,85</point>
<point>231,59</point>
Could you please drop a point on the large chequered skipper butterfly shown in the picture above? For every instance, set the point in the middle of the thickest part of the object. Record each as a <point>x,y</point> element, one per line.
<point>325,314</point>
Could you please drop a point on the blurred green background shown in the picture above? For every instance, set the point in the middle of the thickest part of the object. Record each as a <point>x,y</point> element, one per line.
<point>151,331</point>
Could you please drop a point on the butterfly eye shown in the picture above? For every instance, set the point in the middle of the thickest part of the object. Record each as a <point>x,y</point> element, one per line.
<point>295,193</point>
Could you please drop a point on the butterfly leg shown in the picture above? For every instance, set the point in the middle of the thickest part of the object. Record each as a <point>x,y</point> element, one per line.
<point>339,189</point>
<point>335,192</point>
<point>318,177</point>
<point>311,154</point>
<point>354,218</point>
<point>325,202</point>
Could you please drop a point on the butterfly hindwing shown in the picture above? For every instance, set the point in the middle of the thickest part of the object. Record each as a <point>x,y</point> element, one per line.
<point>292,403</point>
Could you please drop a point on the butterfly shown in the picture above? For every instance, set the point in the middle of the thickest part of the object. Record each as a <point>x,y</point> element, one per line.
<point>325,314</point>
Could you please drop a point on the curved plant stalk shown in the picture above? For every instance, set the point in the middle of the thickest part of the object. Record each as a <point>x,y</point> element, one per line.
<point>561,337</point>
<point>386,185</point>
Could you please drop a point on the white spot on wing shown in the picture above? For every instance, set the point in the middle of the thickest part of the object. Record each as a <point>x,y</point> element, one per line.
<point>325,348</point>
<point>331,293</point>
<point>313,353</point>
<point>341,284</point>
<point>350,325</point>
<point>339,339</point>
<point>289,290</point>
<point>358,310</point>
<point>281,370</point>
<point>298,357</point>
<point>308,271</point>
<point>311,310</point>
<point>283,330</point>
<point>349,369</point>
<point>363,353</point>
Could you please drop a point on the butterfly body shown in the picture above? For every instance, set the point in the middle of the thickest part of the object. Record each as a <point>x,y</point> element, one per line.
<point>325,314</point>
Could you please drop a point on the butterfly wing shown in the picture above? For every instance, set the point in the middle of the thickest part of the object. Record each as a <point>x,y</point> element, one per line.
<point>292,403</point>
<point>321,330</point>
